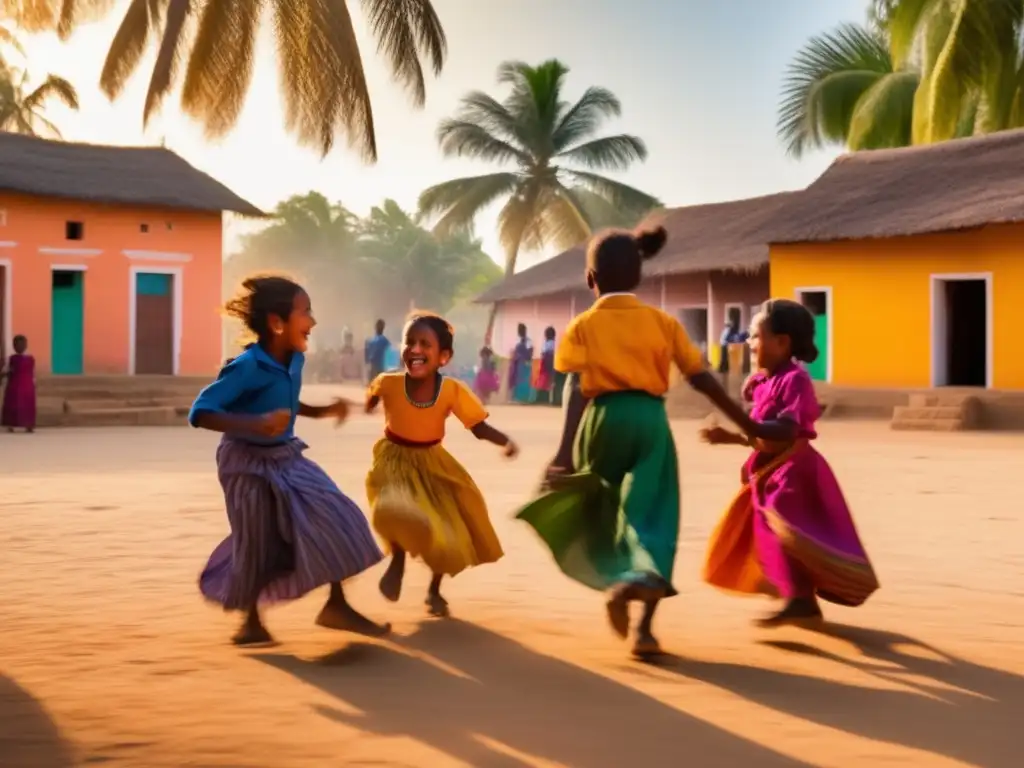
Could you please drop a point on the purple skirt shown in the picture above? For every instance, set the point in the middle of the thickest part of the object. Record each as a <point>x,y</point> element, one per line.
<point>292,529</point>
<point>19,403</point>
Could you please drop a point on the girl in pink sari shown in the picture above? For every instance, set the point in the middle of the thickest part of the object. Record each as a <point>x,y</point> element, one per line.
<point>19,408</point>
<point>789,532</point>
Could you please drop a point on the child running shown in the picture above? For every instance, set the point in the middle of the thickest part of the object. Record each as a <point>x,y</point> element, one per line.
<point>610,509</point>
<point>292,529</point>
<point>425,504</point>
<point>19,405</point>
<point>788,533</point>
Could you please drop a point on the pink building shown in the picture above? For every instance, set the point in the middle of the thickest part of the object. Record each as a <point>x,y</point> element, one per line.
<point>714,267</point>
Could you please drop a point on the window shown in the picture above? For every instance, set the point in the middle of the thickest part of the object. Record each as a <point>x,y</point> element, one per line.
<point>143,228</point>
<point>74,230</point>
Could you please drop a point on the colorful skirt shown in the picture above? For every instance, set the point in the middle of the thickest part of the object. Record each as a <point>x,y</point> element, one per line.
<point>292,529</point>
<point>616,520</point>
<point>486,383</point>
<point>789,533</point>
<point>19,402</point>
<point>425,502</point>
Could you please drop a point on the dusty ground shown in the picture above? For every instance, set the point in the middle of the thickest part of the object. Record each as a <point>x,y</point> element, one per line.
<point>109,656</point>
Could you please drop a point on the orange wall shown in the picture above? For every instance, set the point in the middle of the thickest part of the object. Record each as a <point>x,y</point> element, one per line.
<point>30,224</point>
<point>881,296</point>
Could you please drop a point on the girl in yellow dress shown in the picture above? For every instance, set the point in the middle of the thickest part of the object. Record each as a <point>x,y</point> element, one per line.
<point>424,502</point>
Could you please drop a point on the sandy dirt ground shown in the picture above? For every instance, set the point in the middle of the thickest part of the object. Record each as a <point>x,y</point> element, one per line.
<point>109,656</point>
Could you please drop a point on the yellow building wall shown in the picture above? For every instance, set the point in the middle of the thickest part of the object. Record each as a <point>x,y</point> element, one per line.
<point>881,299</point>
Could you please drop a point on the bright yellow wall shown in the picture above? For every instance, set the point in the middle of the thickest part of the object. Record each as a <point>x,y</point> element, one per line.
<point>881,299</point>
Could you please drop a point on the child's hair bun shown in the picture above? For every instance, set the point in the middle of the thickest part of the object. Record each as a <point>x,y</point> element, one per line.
<point>651,241</point>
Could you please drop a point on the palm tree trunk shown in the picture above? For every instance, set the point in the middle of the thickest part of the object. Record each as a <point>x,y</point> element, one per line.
<point>510,268</point>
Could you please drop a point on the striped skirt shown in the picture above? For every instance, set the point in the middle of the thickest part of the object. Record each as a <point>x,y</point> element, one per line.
<point>292,529</point>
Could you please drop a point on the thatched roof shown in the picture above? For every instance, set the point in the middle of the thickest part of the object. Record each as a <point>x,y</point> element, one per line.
<point>715,236</point>
<point>913,191</point>
<point>141,176</point>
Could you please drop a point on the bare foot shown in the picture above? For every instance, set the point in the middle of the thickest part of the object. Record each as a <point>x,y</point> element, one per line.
<point>796,613</point>
<point>437,606</point>
<point>344,618</point>
<point>391,581</point>
<point>618,610</point>
<point>646,646</point>
<point>252,634</point>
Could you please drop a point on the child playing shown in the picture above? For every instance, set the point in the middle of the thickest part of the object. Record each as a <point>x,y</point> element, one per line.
<point>610,512</point>
<point>19,408</point>
<point>486,382</point>
<point>424,502</point>
<point>292,529</point>
<point>789,532</point>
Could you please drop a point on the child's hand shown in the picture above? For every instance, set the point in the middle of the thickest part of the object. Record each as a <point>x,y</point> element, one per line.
<point>274,423</point>
<point>719,436</point>
<point>511,449</point>
<point>371,404</point>
<point>338,410</point>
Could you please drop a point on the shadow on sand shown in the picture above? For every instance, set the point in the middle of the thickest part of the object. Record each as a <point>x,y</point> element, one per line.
<point>28,736</point>
<point>534,704</point>
<point>954,707</point>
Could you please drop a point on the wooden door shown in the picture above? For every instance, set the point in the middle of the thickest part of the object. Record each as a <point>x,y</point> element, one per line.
<point>67,322</point>
<point>154,323</point>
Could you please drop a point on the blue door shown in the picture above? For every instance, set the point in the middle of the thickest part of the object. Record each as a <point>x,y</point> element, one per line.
<point>67,318</point>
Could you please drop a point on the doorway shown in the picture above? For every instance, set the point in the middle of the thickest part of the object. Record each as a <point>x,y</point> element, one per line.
<point>818,302</point>
<point>67,322</point>
<point>961,330</point>
<point>695,321</point>
<point>154,323</point>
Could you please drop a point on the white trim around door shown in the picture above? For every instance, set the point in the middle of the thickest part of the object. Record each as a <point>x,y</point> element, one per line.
<point>8,336</point>
<point>938,325</point>
<point>177,286</point>
<point>798,293</point>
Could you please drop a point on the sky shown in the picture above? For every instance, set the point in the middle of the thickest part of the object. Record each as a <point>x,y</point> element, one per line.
<point>699,81</point>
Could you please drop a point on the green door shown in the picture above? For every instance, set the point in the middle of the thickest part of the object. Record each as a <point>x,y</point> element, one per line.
<point>818,370</point>
<point>67,323</point>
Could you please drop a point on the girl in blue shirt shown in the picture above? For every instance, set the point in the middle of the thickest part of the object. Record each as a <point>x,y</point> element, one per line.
<point>292,529</point>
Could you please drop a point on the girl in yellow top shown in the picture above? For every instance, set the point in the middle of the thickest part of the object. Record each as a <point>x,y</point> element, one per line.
<point>424,502</point>
<point>610,511</point>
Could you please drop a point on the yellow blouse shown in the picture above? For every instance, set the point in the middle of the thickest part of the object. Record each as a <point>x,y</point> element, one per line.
<point>621,344</point>
<point>425,424</point>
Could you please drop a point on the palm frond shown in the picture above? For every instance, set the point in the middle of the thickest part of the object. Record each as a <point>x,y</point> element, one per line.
<point>459,138</point>
<point>53,87</point>
<point>559,221</point>
<point>10,39</point>
<point>904,27</point>
<point>168,57</point>
<point>323,81</point>
<point>516,217</point>
<point>404,30</point>
<point>127,47</point>
<point>220,64</point>
<point>487,112</point>
<point>73,13</point>
<point>584,117</point>
<point>626,198</point>
<point>828,61</point>
<point>455,204</point>
<point>608,153</point>
<point>884,116</point>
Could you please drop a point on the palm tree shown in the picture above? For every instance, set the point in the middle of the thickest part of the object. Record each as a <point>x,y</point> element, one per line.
<point>971,62</point>
<point>322,78</point>
<point>551,156</point>
<point>21,109</point>
<point>842,88</point>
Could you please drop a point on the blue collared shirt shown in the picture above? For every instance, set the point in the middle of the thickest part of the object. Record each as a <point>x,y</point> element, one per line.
<point>254,383</point>
<point>376,351</point>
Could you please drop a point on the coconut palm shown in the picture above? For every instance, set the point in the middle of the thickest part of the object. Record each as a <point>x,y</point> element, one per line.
<point>971,63</point>
<point>322,78</point>
<point>551,155</point>
<point>842,88</point>
<point>21,107</point>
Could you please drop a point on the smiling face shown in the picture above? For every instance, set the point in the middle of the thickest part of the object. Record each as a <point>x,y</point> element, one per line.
<point>767,349</point>
<point>421,352</point>
<point>295,329</point>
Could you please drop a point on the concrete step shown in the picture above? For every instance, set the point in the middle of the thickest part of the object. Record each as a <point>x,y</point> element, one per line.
<point>84,405</point>
<point>161,416</point>
<point>928,412</point>
<point>907,424</point>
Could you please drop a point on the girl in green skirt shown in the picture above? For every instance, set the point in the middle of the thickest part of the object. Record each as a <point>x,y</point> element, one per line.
<point>609,508</point>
